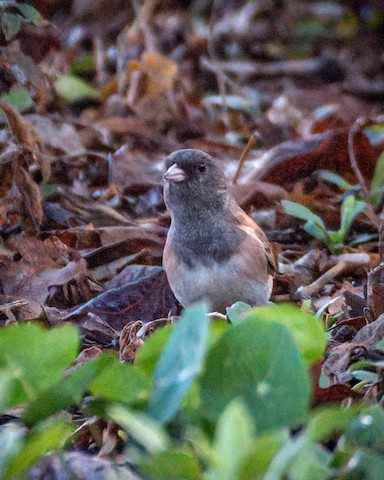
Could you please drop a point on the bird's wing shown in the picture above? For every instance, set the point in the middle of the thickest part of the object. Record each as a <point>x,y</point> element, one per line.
<point>250,226</point>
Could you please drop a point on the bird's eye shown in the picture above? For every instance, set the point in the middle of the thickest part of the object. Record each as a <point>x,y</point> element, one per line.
<point>201,168</point>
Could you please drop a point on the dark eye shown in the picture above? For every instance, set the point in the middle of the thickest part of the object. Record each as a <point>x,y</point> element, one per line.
<point>201,168</point>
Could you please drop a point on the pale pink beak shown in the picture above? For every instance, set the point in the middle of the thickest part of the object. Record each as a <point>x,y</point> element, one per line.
<point>175,174</point>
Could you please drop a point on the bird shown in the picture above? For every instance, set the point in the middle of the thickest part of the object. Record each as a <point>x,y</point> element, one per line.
<point>214,251</point>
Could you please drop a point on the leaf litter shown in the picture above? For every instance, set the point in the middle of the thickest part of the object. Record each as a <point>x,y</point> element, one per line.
<point>82,218</point>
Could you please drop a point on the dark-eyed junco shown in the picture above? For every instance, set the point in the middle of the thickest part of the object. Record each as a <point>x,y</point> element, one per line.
<point>214,250</point>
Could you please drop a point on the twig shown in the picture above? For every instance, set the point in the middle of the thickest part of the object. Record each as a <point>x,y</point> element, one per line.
<point>352,158</point>
<point>220,76</point>
<point>99,59</point>
<point>253,139</point>
<point>142,15</point>
<point>347,262</point>
<point>357,126</point>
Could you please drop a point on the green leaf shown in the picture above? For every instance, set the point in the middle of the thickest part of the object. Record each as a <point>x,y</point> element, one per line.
<point>237,312</point>
<point>46,437</point>
<point>233,439</point>
<point>18,98</point>
<point>258,361</point>
<point>365,465</point>
<point>145,430</point>
<point>299,459</point>
<point>364,376</point>
<point>30,13</point>
<point>314,225</point>
<point>363,238</point>
<point>68,391</point>
<point>312,463</point>
<point>330,421</point>
<point>336,179</point>
<point>149,353</point>
<point>307,330</point>
<point>377,185</point>
<point>11,443</point>
<point>260,456</point>
<point>299,211</point>
<point>73,89</point>
<point>180,362</point>
<point>350,209</point>
<point>121,382</point>
<point>315,231</point>
<point>32,359</point>
<point>10,25</point>
<point>171,464</point>
<point>367,430</point>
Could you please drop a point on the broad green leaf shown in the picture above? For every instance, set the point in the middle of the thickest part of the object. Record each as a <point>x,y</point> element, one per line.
<point>233,439</point>
<point>367,430</point>
<point>257,361</point>
<point>299,211</point>
<point>10,25</point>
<point>46,437</point>
<point>144,429</point>
<point>171,464</point>
<point>30,13</point>
<point>68,391</point>
<point>299,459</point>
<point>259,457</point>
<point>33,359</point>
<point>236,312</point>
<point>11,442</point>
<point>307,330</point>
<point>313,463</point>
<point>73,89</point>
<point>330,421</point>
<point>121,382</point>
<point>149,353</point>
<point>365,466</point>
<point>180,362</point>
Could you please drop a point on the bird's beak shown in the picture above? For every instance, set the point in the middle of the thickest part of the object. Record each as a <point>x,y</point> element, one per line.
<point>175,174</point>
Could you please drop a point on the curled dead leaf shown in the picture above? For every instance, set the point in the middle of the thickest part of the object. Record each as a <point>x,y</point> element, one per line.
<point>297,159</point>
<point>28,138</point>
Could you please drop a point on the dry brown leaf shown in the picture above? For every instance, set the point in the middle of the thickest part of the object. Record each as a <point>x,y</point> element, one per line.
<point>31,207</point>
<point>151,79</point>
<point>370,334</point>
<point>28,138</point>
<point>7,158</point>
<point>297,159</point>
<point>375,291</point>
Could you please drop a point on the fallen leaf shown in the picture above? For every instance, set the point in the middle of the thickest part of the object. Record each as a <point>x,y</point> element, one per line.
<point>297,159</point>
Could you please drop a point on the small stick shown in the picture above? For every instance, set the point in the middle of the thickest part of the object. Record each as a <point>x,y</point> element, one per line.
<point>142,16</point>
<point>253,139</point>
<point>221,82</point>
<point>348,262</point>
<point>360,123</point>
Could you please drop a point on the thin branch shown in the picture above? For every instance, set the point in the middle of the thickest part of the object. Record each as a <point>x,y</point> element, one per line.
<point>220,76</point>
<point>253,139</point>
<point>372,215</point>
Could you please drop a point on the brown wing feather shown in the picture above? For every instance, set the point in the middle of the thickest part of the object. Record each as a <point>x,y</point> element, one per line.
<point>247,221</point>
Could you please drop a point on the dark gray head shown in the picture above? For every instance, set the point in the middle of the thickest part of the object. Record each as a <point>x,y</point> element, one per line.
<point>194,181</point>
